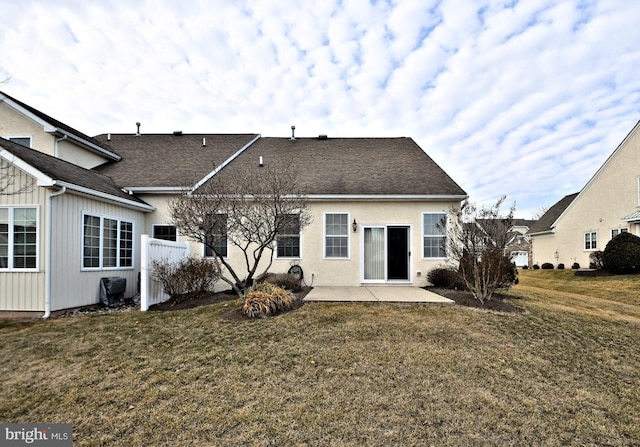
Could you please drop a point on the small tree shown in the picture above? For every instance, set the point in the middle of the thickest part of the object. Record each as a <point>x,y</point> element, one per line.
<point>247,212</point>
<point>478,244</point>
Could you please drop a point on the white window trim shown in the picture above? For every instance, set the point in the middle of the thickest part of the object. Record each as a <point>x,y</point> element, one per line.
<point>446,236</point>
<point>275,246</point>
<point>324,236</point>
<point>10,241</point>
<point>153,227</point>
<point>30,137</point>
<point>638,191</point>
<point>619,230</point>
<point>584,242</point>
<point>102,218</point>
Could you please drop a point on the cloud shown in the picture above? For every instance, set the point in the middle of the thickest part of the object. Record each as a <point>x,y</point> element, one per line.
<point>525,98</point>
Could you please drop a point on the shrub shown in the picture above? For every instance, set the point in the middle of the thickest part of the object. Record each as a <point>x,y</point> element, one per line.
<point>547,266</point>
<point>285,280</point>
<point>622,254</point>
<point>575,266</point>
<point>595,260</point>
<point>446,277</point>
<point>560,266</point>
<point>266,299</point>
<point>194,276</point>
<point>525,267</point>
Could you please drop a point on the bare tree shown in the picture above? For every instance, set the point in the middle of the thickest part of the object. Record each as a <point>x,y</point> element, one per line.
<point>10,180</point>
<point>537,214</point>
<point>249,212</point>
<point>478,244</point>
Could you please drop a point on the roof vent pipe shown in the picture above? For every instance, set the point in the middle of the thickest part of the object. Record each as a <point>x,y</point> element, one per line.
<point>138,131</point>
<point>204,141</point>
<point>108,137</point>
<point>293,132</point>
<point>261,164</point>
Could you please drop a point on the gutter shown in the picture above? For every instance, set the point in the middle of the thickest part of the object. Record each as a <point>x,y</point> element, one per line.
<point>58,140</point>
<point>47,261</point>
<point>104,195</point>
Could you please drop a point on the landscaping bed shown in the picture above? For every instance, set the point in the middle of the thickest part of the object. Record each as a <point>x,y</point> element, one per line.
<point>499,302</point>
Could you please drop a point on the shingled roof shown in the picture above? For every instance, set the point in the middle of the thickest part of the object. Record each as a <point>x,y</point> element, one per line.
<point>545,222</point>
<point>352,166</point>
<point>61,127</point>
<point>69,174</point>
<point>168,160</point>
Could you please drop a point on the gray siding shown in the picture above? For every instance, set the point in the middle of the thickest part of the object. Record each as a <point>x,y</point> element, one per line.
<point>24,291</point>
<point>71,286</point>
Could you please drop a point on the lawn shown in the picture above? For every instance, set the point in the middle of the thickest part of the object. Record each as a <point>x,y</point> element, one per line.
<point>564,372</point>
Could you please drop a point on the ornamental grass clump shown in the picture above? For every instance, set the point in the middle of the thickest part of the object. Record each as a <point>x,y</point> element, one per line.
<point>266,299</point>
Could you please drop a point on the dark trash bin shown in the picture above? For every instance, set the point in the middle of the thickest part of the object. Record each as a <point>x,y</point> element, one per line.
<point>112,291</point>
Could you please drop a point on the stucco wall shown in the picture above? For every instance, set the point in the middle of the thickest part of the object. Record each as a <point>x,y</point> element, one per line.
<point>13,124</point>
<point>337,272</point>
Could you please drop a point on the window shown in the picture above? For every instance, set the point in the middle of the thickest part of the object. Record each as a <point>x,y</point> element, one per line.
<point>106,242</point>
<point>219,233</point>
<point>434,234</point>
<point>19,238</point>
<point>165,232</point>
<point>336,235</point>
<point>288,238</point>
<point>617,231</point>
<point>23,141</point>
<point>591,241</point>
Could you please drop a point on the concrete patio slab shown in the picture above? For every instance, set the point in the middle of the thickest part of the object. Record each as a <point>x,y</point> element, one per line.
<point>400,294</point>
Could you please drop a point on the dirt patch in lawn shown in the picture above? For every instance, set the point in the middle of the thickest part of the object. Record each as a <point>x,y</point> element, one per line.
<point>497,303</point>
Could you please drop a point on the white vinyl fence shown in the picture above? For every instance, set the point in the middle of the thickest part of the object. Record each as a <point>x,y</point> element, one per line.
<point>157,250</point>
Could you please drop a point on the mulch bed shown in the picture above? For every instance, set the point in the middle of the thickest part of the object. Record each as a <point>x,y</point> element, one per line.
<point>234,314</point>
<point>465,298</point>
<point>461,298</point>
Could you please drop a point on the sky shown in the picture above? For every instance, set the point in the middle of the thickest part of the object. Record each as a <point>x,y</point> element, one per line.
<point>523,98</point>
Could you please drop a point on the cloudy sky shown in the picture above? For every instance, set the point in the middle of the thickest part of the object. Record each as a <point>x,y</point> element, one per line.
<point>524,98</point>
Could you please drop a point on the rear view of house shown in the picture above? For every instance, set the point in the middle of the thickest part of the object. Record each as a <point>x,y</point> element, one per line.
<point>79,205</point>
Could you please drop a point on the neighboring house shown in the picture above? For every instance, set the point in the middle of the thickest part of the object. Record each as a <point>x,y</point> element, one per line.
<point>585,222</point>
<point>376,203</point>
<point>518,246</point>
<point>518,241</point>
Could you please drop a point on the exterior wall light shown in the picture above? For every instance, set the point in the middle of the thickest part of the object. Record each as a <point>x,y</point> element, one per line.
<point>354,226</point>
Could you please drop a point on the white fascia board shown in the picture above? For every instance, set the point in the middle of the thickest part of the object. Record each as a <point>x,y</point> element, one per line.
<point>156,189</point>
<point>41,178</point>
<point>88,144</point>
<point>105,196</point>
<point>386,197</point>
<point>206,178</point>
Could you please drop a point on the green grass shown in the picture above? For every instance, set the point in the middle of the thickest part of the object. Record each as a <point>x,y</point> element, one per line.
<point>562,373</point>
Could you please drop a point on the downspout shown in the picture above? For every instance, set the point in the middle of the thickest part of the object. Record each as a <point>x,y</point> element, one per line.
<point>47,256</point>
<point>55,149</point>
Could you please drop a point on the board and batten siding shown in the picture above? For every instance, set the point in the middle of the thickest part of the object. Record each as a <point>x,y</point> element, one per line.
<point>24,291</point>
<point>70,285</point>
